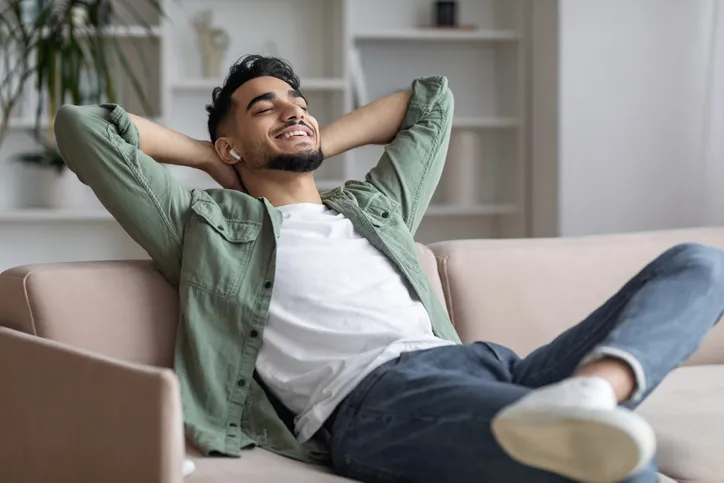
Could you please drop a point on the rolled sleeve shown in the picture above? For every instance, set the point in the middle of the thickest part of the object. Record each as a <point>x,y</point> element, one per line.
<point>411,166</point>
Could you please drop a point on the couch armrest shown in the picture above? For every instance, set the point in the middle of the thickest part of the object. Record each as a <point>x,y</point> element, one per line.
<point>522,293</point>
<point>68,415</point>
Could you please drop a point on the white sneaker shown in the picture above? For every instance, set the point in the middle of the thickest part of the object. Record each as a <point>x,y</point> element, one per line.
<point>576,429</point>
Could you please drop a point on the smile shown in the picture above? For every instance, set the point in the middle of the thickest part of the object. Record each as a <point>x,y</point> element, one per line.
<point>293,134</point>
<point>296,131</point>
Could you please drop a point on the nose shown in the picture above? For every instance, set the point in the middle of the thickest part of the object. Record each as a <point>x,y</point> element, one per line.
<point>292,111</point>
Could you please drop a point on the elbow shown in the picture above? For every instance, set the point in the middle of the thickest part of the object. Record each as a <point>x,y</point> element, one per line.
<point>66,120</point>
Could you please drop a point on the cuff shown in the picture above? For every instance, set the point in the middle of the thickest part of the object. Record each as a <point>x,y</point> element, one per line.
<point>427,93</point>
<point>612,352</point>
<point>125,127</point>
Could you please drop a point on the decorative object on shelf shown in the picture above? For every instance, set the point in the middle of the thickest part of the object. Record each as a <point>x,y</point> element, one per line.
<point>460,175</point>
<point>446,14</point>
<point>213,42</point>
<point>60,188</point>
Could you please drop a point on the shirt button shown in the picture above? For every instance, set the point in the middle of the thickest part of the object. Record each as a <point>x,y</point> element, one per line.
<point>385,214</point>
<point>220,227</point>
<point>267,284</point>
<point>241,382</point>
<point>253,333</point>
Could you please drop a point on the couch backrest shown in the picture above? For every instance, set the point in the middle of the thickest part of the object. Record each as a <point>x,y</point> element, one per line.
<point>121,309</point>
<point>522,293</point>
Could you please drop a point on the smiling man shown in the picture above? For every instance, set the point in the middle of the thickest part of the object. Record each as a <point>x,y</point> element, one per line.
<point>309,328</point>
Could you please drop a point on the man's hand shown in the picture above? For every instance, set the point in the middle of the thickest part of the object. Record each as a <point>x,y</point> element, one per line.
<point>171,147</point>
<point>222,173</point>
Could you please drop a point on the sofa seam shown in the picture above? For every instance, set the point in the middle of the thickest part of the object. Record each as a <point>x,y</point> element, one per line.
<point>27,301</point>
<point>446,288</point>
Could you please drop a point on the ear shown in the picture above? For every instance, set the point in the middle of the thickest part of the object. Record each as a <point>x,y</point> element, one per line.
<point>226,151</point>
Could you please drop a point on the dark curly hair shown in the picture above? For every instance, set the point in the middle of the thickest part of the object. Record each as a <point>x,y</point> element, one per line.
<point>246,68</point>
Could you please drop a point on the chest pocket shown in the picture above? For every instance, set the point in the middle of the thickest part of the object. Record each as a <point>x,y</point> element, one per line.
<point>381,211</point>
<point>217,249</point>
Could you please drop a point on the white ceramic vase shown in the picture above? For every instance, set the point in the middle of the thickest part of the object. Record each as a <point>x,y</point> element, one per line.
<point>64,191</point>
<point>460,177</point>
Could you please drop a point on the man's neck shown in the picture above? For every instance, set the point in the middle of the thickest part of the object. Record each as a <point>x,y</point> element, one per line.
<point>283,188</point>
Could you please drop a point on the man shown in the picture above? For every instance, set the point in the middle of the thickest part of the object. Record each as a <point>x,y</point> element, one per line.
<point>307,322</point>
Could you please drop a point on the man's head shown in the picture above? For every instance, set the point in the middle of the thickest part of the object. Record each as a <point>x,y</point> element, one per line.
<point>259,118</point>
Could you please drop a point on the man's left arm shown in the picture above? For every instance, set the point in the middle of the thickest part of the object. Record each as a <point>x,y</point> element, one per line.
<point>416,126</point>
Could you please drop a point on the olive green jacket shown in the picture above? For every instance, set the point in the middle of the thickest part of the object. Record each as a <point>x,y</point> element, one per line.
<point>218,248</point>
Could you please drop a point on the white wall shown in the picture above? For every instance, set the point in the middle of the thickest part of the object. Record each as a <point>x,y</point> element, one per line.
<point>714,119</point>
<point>631,109</point>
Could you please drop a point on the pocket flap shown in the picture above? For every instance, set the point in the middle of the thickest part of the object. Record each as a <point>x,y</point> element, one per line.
<point>234,231</point>
<point>380,210</point>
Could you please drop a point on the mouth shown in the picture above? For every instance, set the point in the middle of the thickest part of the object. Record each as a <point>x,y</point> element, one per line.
<point>296,133</point>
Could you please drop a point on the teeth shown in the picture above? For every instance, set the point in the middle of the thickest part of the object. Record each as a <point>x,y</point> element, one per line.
<point>293,133</point>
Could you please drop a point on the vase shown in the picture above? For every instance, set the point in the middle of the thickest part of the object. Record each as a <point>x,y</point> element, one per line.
<point>63,190</point>
<point>460,175</point>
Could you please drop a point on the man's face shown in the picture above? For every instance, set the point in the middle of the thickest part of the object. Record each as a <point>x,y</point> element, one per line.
<point>272,128</point>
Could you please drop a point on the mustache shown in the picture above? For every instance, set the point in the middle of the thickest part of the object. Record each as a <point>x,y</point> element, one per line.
<point>295,123</point>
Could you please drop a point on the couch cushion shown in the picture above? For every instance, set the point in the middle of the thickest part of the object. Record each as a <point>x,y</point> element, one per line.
<point>256,465</point>
<point>687,414</point>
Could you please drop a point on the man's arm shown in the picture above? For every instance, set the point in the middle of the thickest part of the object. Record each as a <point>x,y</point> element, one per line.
<point>417,127</point>
<point>111,151</point>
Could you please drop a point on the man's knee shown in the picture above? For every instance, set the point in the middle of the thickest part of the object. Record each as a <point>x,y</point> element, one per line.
<point>704,261</point>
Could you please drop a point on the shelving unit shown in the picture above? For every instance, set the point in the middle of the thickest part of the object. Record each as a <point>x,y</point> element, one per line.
<point>485,66</point>
<point>37,215</point>
<point>439,35</point>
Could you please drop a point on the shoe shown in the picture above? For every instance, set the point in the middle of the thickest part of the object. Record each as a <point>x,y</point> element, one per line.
<point>576,429</point>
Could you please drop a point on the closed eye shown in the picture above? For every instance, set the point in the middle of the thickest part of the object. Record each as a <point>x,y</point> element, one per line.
<point>265,110</point>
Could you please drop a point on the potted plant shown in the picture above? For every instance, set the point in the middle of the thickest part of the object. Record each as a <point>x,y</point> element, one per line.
<point>63,51</point>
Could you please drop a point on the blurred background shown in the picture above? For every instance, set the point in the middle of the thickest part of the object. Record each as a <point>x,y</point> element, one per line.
<point>573,117</point>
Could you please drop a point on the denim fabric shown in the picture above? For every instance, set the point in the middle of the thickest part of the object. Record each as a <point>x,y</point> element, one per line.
<point>425,417</point>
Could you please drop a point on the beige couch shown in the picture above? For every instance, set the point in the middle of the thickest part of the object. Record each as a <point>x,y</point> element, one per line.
<point>85,395</point>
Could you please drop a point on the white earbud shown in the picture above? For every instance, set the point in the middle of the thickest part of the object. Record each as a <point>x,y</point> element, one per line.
<point>233,154</point>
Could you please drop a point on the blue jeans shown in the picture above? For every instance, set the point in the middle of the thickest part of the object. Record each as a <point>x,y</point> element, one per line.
<point>425,416</point>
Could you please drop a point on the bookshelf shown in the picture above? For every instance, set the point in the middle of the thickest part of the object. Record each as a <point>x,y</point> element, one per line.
<point>394,44</point>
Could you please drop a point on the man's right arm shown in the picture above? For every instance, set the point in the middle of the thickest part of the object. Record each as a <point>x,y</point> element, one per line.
<point>113,153</point>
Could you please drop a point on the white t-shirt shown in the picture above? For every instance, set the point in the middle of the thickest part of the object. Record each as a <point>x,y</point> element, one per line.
<point>339,309</point>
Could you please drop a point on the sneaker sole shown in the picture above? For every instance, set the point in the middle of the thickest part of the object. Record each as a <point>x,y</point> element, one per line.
<point>591,445</point>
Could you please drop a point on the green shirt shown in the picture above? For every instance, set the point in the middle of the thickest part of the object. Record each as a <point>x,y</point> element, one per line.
<point>218,248</point>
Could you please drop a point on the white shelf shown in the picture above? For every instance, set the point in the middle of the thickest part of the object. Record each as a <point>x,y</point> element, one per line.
<point>434,35</point>
<point>309,84</point>
<point>129,31</point>
<point>30,215</point>
<point>25,123</point>
<point>485,122</point>
<point>485,209</point>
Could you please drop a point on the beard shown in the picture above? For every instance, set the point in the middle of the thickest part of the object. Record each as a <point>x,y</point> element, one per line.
<point>303,162</point>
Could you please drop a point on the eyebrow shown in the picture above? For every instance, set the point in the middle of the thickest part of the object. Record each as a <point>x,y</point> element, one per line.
<point>270,96</point>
